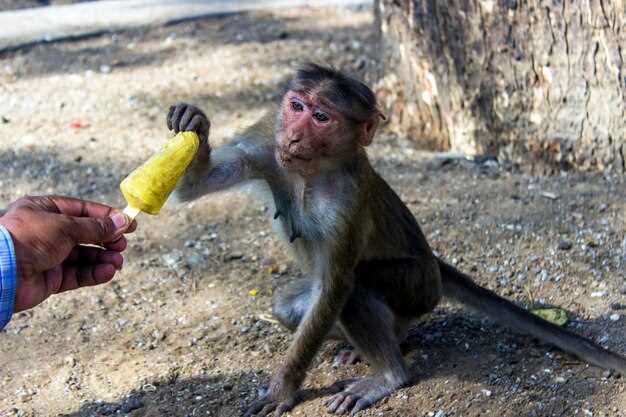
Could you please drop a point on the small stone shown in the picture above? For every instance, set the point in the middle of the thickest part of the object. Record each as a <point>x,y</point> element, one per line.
<point>440,413</point>
<point>565,245</point>
<point>360,63</point>
<point>190,243</point>
<point>171,259</point>
<point>598,294</point>
<point>486,392</point>
<point>194,260</point>
<point>131,404</point>
<point>233,256</point>
<point>549,195</point>
<point>615,317</point>
<point>105,69</point>
<point>70,361</point>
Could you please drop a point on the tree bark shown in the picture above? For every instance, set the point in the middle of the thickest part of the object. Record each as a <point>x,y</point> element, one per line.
<point>539,83</point>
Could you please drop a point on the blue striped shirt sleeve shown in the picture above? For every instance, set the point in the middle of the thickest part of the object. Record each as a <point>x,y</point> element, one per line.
<point>8,276</point>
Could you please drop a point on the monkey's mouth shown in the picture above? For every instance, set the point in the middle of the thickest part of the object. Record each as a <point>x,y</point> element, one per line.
<point>301,158</point>
<point>287,157</point>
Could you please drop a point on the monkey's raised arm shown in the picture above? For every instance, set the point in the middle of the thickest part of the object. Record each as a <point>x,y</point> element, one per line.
<point>217,170</point>
<point>248,156</point>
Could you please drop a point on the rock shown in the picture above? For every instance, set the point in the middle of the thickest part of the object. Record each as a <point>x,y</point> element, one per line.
<point>171,259</point>
<point>360,63</point>
<point>598,294</point>
<point>131,404</point>
<point>194,260</point>
<point>549,195</point>
<point>70,361</point>
<point>614,317</point>
<point>233,256</point>
<point>565,245</point>
<point>105,69</point>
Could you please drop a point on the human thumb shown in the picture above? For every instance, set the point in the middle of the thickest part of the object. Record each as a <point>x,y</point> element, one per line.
<point>95,230</point>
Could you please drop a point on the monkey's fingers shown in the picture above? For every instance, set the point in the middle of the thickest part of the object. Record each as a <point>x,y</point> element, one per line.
<point>200,125</point>
<point>188,114</point>
<point>179,110</point>
<point>283,408</point>
<point>261,407</point>
<point>168,118</point>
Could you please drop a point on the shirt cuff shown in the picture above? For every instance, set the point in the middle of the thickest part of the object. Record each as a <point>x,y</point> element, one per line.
<point>8,276</point>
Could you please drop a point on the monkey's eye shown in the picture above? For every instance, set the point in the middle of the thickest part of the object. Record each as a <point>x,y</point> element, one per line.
<point>296,106</point>
<point>321,117</point>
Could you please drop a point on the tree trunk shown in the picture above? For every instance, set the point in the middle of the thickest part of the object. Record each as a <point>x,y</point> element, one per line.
<point>541,83</point>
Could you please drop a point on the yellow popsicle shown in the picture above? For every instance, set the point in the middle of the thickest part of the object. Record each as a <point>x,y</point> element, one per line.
<point>148,187</point>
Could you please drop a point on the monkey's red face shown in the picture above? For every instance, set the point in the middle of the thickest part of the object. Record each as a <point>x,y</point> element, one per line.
<point>310,133</point>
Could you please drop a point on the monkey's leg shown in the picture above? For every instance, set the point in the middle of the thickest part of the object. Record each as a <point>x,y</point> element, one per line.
<point>291,303</point>
<point>369,325</point>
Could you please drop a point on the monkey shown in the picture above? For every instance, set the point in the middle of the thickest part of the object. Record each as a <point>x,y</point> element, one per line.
<point>370,271</point>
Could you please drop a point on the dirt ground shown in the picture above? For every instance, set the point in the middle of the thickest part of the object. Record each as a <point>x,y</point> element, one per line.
<point>179,333</point>
<point>26,4</point>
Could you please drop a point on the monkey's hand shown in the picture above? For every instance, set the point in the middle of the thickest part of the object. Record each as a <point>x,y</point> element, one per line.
<point>183,117</point>
<point>284,209</point>
<point>281,397</point>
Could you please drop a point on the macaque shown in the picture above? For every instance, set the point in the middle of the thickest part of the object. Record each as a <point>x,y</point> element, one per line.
<point>370,270</point>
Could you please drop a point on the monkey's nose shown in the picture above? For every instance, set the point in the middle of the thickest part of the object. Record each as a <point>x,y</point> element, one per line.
<point>295,138</point>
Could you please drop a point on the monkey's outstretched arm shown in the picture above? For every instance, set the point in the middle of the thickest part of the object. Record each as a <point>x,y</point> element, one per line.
<point>248,156</point>
<point>214,171</point>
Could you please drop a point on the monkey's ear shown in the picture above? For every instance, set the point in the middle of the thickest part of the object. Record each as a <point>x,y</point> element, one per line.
<point>368,130</point>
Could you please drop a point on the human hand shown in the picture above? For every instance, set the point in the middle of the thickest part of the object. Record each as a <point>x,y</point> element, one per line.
<point>49,234</point>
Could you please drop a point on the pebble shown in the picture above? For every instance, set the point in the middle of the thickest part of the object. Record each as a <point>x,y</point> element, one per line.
<point>70,361</point>
<point>171,259</point>
<point>131,404</point>
<point>233,256</point>
<point>598,294</point>
<point>194,260</point>
<point>565,245</point>
<point>614,317</point>
<point>486,392</point>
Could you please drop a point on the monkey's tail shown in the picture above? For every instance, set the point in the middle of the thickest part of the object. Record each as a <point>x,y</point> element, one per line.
<point>460,287</point>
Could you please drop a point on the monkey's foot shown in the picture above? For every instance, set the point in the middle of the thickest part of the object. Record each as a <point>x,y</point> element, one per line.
<point>266,406</point>
<point>346,357</point>
<point>361,394</point>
